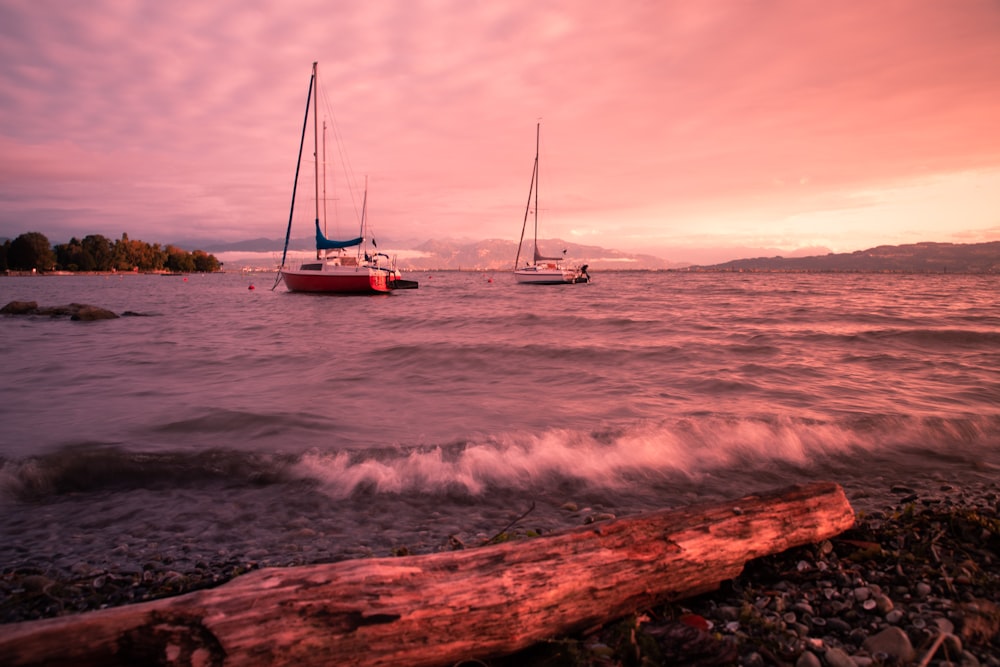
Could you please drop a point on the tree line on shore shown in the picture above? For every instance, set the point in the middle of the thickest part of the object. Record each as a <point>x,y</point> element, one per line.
<point>32,251</point>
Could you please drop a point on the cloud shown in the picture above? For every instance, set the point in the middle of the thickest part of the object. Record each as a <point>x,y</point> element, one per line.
<point>663,118</point>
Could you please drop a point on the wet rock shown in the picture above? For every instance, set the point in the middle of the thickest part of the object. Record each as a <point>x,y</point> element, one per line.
<point>19,308</point>
<point>837,657</point>
<point>883,604</point>
<point>945,626</point>
<point>808,659</point>
<point>891,641</point>
<point>803,608</point>
<point>837,625</point>
<point>894,617</point>
<point>87,313</point>
<point>75,311</point>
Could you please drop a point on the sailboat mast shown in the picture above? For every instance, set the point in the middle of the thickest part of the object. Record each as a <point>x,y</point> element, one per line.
<point>364,209</point>
<point>527,206</point>
<point>316,138</point>
<point>324,178</point>
<point>295,183</point>
<point>538,133</point>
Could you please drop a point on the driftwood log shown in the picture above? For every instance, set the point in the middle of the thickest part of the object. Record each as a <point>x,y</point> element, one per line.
<point>441,608</point>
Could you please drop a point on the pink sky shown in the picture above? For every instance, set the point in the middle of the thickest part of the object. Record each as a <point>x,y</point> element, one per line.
<point>691,130</point>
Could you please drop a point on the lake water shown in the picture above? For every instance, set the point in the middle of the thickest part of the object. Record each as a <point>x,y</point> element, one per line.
<point>225,424</point>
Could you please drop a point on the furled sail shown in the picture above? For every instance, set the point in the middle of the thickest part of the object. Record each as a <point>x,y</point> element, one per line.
<point>323,243</point>
<point>540,258</point>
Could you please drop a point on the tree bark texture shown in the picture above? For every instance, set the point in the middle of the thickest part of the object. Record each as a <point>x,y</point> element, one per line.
<point>440,608</point>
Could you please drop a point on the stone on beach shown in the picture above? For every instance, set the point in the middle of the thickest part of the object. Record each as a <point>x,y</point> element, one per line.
<point>893,642</point>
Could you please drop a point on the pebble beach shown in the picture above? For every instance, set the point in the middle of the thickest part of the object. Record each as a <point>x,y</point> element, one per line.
<point>916,581</point>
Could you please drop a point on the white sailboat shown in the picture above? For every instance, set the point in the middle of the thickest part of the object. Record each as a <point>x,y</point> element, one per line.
<point>543,270</point>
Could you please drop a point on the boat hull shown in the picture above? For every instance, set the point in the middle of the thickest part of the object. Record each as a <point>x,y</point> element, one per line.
<point>354,281</point>
<point>550,276</point>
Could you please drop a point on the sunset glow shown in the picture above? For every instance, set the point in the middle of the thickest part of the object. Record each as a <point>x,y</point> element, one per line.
<point>695,131</point>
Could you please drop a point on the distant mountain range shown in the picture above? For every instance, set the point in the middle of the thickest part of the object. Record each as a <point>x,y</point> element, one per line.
<point>911,258</point>
<point>499,254</point>
<point>451,254</point>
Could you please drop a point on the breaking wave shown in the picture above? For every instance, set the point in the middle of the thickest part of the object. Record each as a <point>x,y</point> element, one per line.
<point>645,455</point>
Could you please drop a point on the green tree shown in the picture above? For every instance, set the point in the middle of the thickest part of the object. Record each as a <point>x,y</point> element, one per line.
<point>154,258</point>
<point>205,262</point>
<point>179,260</point>
<point>126,254</point>
<point>69,256</point>
<point>97,249</point>
<point>31,250</point>
<point>97,253</point>
<point>134,255</point>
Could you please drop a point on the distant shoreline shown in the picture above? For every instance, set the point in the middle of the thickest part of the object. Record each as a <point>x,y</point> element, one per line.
<point>42,274</point>
<point>692,269</point>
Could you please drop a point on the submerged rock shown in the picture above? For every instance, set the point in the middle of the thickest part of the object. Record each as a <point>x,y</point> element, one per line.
<point>80,312</point>
<point>90,313</point>
<point>20,308</point>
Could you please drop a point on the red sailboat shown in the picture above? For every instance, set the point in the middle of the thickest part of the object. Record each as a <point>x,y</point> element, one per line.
<point>340,267</point>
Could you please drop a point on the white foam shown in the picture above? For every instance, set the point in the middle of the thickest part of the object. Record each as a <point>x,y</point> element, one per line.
<point>686,447</point>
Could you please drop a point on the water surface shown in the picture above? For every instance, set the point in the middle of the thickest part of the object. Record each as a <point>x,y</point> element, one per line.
<point>224,422</point>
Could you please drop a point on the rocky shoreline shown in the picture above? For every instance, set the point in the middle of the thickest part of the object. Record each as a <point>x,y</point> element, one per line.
<point>914,583</point>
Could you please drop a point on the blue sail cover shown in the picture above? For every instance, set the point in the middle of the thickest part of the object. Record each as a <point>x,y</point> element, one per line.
<point>323,243</point>
<point>541,258</point>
